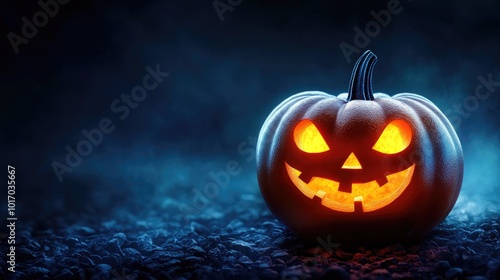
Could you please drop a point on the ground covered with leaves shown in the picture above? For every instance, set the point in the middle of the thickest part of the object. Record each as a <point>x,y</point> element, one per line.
<point>245,241</point>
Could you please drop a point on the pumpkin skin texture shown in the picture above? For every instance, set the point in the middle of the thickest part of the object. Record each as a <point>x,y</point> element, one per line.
<point>359,167</point>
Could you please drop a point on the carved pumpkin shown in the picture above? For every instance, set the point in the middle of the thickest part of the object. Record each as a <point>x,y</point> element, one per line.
<point>359,166</point>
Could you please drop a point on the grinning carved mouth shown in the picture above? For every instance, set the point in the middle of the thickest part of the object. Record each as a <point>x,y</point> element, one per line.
<point>365,197</point>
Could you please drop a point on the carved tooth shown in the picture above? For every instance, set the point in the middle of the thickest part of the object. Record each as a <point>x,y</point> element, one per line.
<point>318,197</point>
<point>345,187</point>
<point>321,194</point>
<point>358,204</point>
<point>382,181</point>
<point>305,177</point>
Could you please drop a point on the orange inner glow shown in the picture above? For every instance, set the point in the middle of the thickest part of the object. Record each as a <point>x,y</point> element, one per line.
<point>395,138</point>
<point>352,162</point>
<point>371,195</point>
<point>308,138</point>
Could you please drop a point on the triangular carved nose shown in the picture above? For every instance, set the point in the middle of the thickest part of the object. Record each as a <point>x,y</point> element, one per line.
<point>351,162</point>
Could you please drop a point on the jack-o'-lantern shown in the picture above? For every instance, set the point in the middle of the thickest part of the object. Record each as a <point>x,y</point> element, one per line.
<point>359,166</point>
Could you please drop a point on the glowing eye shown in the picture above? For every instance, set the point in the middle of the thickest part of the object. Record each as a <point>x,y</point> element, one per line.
<point>308,138</point>
<point>395,138</point>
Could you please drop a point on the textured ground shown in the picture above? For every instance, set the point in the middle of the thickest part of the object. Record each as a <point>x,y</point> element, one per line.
<point>245,241</point>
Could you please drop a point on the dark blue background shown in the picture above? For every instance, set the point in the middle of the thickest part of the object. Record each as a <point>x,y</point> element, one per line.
<point>226,77</point>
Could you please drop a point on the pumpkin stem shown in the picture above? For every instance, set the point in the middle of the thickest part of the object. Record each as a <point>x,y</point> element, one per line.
<point>360,86</point>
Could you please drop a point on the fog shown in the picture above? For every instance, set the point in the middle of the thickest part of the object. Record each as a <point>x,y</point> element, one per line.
<point>225,78</point>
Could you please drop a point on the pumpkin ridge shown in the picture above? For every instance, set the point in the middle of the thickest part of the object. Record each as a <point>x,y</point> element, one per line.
<point>448,136</point>
<point>429,104</point>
